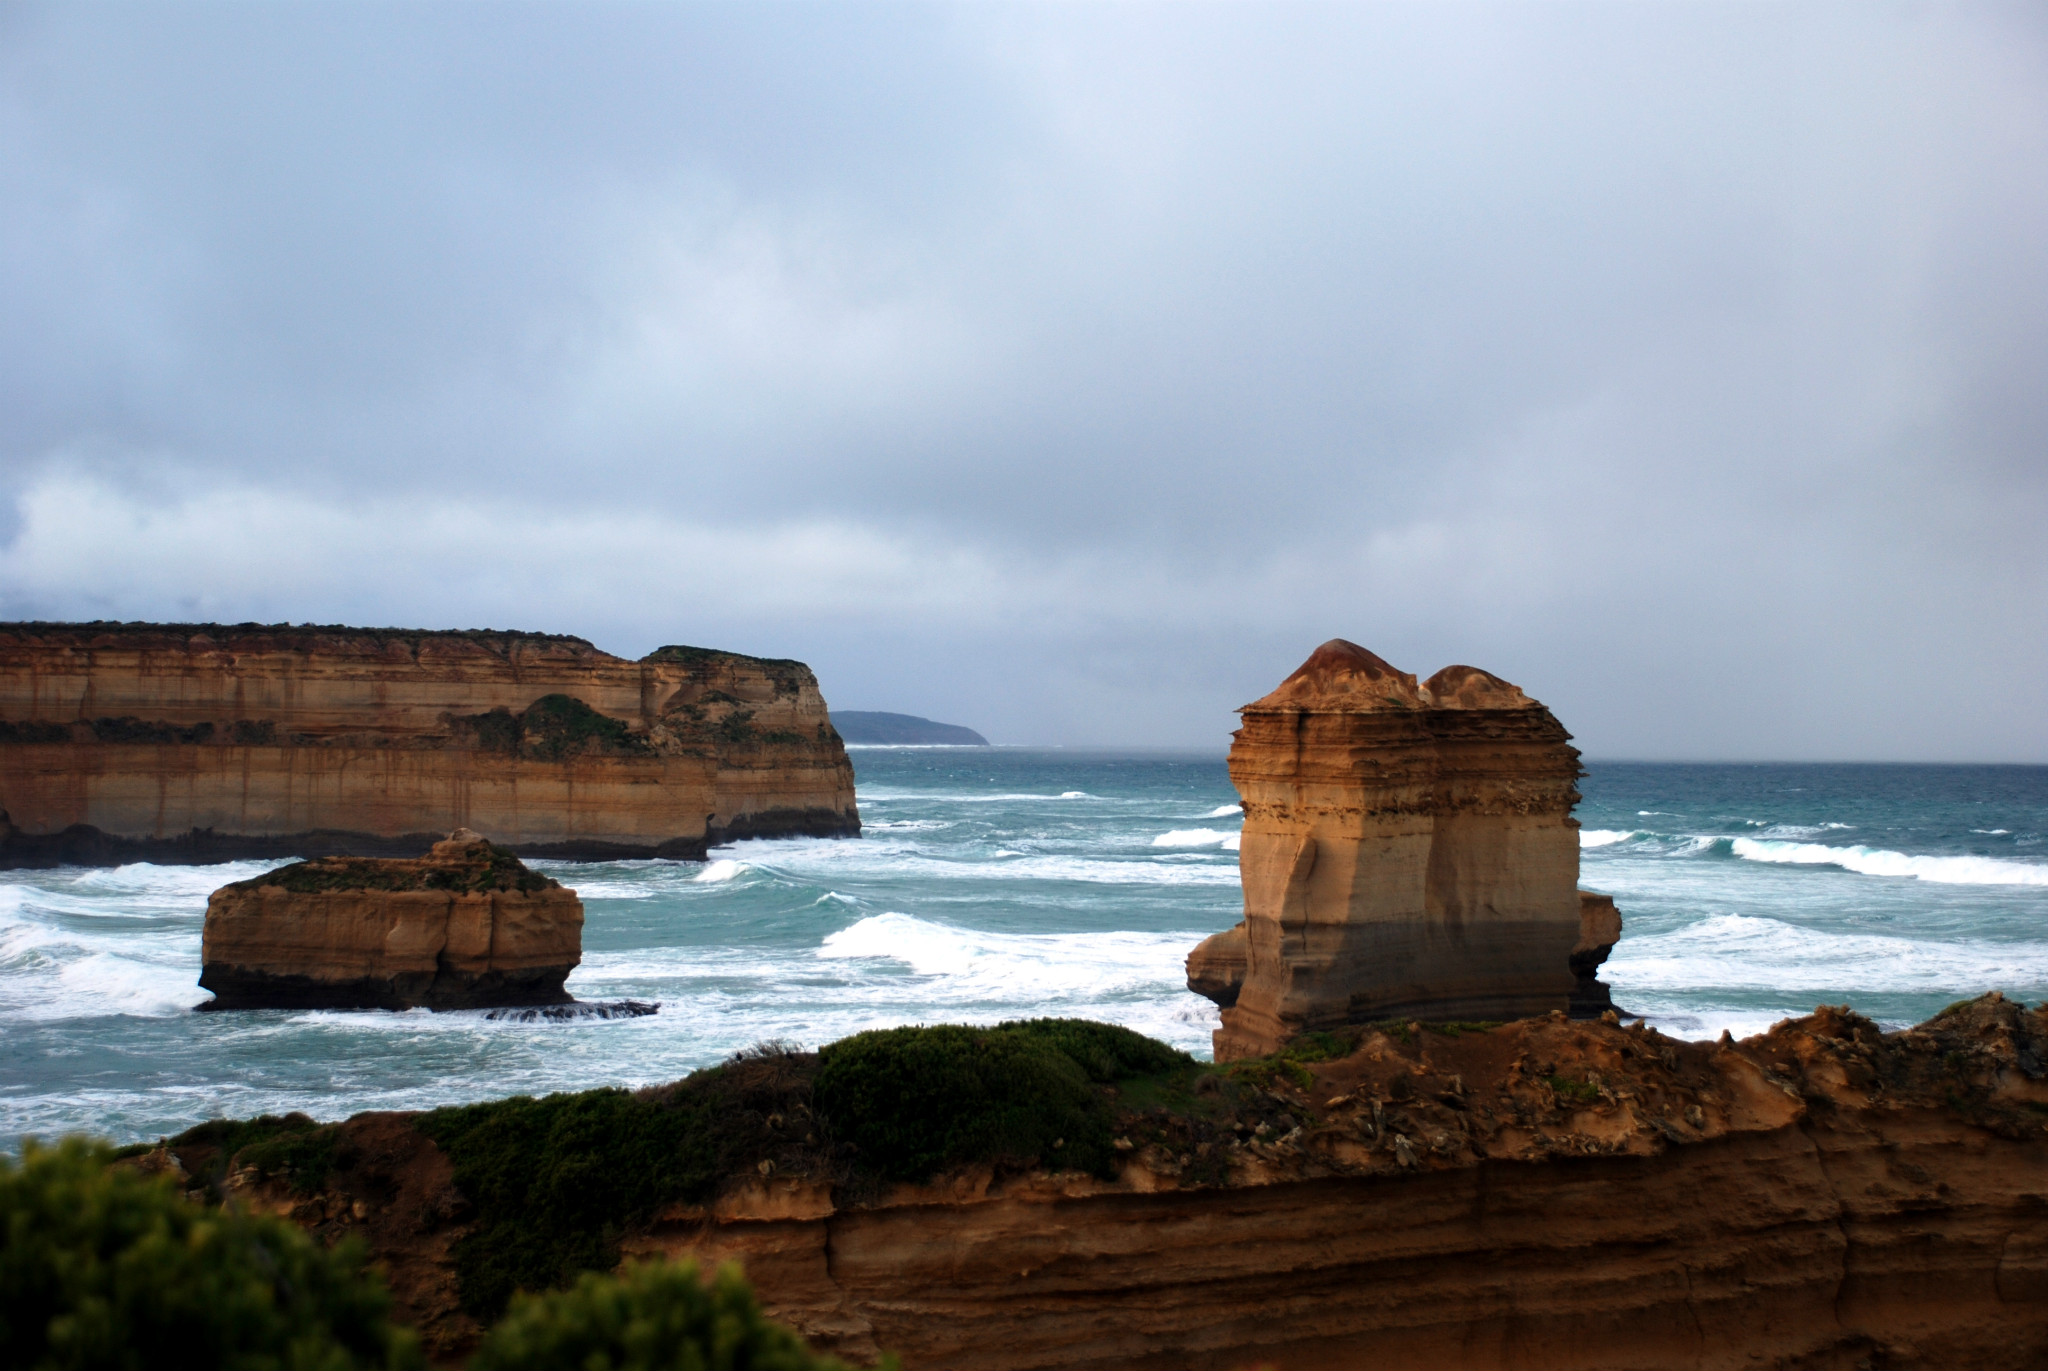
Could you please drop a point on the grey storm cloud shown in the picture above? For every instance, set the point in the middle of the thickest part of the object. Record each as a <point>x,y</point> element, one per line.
<point>1066,370</point>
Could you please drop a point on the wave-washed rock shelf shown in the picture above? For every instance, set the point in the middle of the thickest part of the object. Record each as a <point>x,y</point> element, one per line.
<point>1543,1193</point>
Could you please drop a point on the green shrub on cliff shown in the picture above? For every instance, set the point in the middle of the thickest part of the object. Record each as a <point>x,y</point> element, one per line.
<point>654,1316</point>
<point>101,1267</point>
<point>913,1101</point>
<point>556,1180</point>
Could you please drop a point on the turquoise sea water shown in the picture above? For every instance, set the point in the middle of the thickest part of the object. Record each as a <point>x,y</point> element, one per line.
<point>998,883</point>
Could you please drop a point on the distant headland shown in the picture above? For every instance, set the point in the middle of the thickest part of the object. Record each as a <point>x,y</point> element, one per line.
<point>875,727</point>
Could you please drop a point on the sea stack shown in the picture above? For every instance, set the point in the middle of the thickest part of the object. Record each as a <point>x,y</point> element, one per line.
<point>1408,852</point>
<point>468,926</point>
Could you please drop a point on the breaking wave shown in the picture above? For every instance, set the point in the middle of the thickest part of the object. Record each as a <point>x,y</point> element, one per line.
<point>1196,837</point>
<point>1869,861</point>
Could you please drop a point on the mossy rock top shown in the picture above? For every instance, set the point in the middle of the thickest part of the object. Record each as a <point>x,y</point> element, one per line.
<point>465,864</point>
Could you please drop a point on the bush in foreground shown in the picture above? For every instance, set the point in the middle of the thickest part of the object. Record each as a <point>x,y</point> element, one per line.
<point>650,1317</point>
<point>915,1100</point>
<point>101,1267</point>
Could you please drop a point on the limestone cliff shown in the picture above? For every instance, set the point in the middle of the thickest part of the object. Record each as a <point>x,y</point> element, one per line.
<point>465,927</point>
<point>1408,850</point>
<point>182,743</point>
<point>1550,1195</point>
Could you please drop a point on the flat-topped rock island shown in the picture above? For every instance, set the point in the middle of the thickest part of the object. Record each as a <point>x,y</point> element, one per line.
<point>467,926</point>
<point>203,743</point>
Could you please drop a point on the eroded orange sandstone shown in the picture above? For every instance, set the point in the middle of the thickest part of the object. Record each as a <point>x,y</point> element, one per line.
<point>1408,850</point>
<point>122,742</point>
<point>1549,1195</point>
<point>464,927</point>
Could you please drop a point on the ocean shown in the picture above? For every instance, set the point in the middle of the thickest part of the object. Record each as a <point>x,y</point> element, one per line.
<point>1001,883</point>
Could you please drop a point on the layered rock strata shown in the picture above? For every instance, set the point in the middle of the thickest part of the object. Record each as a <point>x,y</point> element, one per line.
<point>1408,851</point>
<point>1551,1195</point>
<point>468,926</point>
<point>170,743</point>
<point>1555,1195</point>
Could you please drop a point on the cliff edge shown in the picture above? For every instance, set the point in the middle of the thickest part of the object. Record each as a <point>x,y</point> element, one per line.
<point>204,743</point>
<point>1545,1195</point>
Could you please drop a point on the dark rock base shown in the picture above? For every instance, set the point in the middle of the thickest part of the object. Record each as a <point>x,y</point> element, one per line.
<point>84,845</point>
<point>237,988</point>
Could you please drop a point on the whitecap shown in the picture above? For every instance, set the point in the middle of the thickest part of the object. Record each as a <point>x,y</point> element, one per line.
<point>724,869</point>
<point>1752,953</point>
<point>1017,967</point>
<point>1230,811</point>
<point>1870,861</point>
<point>1992,832</point>
<point>1193,837</point>
<point>1075,795</point>
<point>1603,837</point>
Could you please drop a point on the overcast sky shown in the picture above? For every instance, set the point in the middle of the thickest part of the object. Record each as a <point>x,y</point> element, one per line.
<point>1066,371</point>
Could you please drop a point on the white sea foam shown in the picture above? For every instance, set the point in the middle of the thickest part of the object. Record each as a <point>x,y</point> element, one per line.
<point>1870,861</point>
<point>887,795</point>
<point>1225,812</point>
<point>1745,952</point>
<point>1603,837</point>
<point>1016,967</point>
<point>894,860</point>
<point>1992,832</point>
<point>724,869</point>
<point>1193,837</point>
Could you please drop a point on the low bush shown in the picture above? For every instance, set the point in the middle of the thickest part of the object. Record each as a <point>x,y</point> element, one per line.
<point>913,1101</point>
<point>104,1268</point>
<point>653,1316</point>
<point>556,1180</point>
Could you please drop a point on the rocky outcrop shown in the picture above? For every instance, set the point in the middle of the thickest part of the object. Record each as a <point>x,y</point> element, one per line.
<point>170,743</point>
<point>468,926</point>
<point>1408,851</point>
<point>1551,1195</point>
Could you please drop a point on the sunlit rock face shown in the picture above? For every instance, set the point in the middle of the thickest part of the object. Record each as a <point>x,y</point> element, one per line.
<point>202,743</point>
<point>1408,851</point>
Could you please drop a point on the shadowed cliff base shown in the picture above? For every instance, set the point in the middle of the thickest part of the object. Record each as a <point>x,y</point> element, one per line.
<point>83,845</point>
<point>1544,1193</point>
<point>204,743</point>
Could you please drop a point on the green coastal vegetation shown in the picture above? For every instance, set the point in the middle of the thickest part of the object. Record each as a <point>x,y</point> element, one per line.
<point>553,1184</point>
<point>103,1268</point>
<point>492,868</point>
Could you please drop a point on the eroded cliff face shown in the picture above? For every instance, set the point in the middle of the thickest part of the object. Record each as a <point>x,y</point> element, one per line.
<point>1408,850</point>
<point>1550,1195</point>
<point>465,927</point>
<point>124,742</point>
